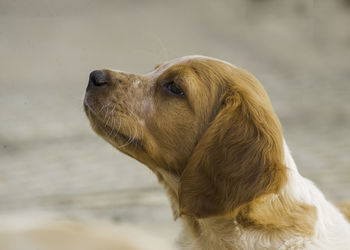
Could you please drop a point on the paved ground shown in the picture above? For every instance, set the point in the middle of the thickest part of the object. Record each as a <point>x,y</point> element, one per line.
<point>49,157</point>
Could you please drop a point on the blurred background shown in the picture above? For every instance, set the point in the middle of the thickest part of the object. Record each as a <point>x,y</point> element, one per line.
<point>50,159</point>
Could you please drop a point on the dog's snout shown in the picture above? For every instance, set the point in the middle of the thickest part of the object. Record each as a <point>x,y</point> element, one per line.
<point>98,78</point>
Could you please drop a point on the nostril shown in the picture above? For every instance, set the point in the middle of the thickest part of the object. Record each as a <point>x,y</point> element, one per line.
<point>98,78</point>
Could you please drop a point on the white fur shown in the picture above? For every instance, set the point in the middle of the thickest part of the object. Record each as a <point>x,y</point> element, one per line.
<point>332,231</point>
<point>136,83</point>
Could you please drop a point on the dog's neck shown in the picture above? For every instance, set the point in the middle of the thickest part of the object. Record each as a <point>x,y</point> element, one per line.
<point>271,219</point>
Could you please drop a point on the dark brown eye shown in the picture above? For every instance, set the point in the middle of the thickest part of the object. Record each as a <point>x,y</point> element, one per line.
<point>173,89</point>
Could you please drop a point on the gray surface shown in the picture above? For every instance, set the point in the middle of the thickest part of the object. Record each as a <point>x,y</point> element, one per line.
<point>51,159</point>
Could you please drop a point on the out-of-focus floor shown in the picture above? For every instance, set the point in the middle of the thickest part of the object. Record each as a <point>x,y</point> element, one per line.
<point>50,158</point>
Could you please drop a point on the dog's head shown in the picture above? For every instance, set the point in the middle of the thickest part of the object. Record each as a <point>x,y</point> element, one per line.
<point>207,123</point>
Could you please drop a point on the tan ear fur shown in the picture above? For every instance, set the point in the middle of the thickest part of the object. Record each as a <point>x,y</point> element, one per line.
<point>239,157</point>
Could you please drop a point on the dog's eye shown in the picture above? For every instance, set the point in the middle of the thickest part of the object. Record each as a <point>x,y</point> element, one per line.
<point>174,89</point>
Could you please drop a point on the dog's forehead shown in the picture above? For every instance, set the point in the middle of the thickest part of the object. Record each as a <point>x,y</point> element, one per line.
<point>196,57</point>
<point>161,68</point>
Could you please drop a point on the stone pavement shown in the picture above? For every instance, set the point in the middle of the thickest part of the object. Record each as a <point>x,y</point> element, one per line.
<point>50,158</point>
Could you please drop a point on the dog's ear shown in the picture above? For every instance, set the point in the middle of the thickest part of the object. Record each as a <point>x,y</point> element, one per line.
<point>238,158</point>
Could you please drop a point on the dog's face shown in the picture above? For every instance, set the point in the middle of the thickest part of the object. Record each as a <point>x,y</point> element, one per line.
<point>156,118</point>
<point>202,120</point>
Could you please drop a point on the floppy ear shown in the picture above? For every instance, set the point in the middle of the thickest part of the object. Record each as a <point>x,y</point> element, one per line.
<point>238,158</point>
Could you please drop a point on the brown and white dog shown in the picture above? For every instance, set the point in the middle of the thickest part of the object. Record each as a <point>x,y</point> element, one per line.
<point>208,131</point>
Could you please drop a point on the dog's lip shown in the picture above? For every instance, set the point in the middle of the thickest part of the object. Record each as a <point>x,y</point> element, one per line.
<point>104,126</point>
<point>128,140</point>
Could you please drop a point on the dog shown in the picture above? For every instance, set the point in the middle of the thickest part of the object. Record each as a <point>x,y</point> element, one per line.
<point>208,131</point>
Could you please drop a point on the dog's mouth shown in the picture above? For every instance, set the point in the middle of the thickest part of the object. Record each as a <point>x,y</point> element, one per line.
<point>112,135</point>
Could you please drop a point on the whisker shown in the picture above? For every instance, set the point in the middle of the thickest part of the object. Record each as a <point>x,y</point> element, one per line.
<point>113,120</point>
<point>127,143</point>
<point>103,106</point>
<point>108,116</point>
<point>131,139</point>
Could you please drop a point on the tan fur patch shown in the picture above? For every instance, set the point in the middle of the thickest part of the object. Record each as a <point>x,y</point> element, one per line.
<point>344,207</point>
<point>279,214</point>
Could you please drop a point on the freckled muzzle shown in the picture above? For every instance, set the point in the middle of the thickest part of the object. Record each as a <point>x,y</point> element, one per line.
<point>109,106</point>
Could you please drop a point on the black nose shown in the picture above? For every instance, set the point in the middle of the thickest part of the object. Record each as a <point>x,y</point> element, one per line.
<point>98,78</point>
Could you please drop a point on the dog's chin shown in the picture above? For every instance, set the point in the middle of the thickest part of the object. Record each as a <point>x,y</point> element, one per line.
<point>114,137</point>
